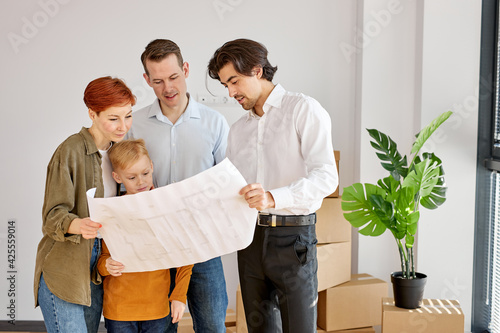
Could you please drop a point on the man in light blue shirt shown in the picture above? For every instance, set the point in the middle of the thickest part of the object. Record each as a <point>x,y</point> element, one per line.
<point>194,143</point>
<point>183,138</point>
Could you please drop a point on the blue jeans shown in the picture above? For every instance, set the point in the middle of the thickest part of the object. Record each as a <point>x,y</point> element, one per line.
<point>62,316</point>
<point>207,297</point>
<point>146,326</point>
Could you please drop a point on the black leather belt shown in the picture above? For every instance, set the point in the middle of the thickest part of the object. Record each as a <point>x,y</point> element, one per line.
<point>271,220</point>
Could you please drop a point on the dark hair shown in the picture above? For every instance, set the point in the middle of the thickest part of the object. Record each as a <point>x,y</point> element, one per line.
<point>159,49</point>
<point>245,55</point>
<point>105,92</point>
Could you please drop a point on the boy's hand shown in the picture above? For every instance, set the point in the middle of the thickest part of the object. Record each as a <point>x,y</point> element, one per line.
<point>114,267</point>
<point>177,310</point>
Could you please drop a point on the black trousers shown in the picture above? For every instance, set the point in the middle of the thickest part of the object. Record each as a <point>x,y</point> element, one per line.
<point>278,278</point>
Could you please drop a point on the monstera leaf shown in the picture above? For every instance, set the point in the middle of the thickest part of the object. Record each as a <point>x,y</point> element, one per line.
<point>427,131</point>
<point>427,179</point>
<point>438,195</point>
<point>388,154</point>
<point>390,185</point>
<point>355,199</point>
<point>411,230</point>
<point>423,178</point>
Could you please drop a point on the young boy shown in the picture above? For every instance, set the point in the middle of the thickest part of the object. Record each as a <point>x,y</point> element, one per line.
<point>138,302</point>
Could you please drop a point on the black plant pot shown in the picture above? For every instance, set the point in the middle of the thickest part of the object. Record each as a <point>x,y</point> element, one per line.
<point>408,293</point>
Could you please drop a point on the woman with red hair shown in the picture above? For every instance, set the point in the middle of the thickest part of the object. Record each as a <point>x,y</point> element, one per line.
<point>67,285</point>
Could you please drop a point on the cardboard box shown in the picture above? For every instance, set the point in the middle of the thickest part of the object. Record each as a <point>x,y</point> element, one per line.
<point>241,323</point>
<point>337,160</point>
<point>331,226</point>
<point>434,316</point>
<point>230,318</point>
<point>334,264</point>
<point>231,329</point>
<point>353,304</point>
<point>185,324</point>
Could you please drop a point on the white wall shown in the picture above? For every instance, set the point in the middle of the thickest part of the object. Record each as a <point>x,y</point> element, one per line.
<point>51,49</point>
<point>450,82</point>
<point>387,97</point>
<point>425,62</point>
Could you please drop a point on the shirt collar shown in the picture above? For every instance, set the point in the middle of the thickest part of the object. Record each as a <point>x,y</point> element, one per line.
<point>192,110</point>
<point>273,101</point>
<point>275,97</point>
<point>90,146</point>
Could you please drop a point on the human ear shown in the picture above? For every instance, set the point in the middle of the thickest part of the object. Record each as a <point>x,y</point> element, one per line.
<point>146,77</point>
<point>92,114</point>
<point>185,69</point>
<point>116,177</point>
<point>257,71</point>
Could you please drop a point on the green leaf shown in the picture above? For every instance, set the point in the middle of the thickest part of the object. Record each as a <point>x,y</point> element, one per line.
<point>383,209</point>
<point>361,212</point>
<point>438,195</point>
<point>388,152</point>
<point>404,200</point>
<point>423,178</point>
<point>433,201</point>
<point>412,223</point>
<point>432,198</point>
<point>426,132</point>
<point>389,184</point>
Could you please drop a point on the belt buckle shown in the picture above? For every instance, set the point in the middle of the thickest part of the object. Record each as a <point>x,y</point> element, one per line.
<point>273,220</point>
<point>258,219</point>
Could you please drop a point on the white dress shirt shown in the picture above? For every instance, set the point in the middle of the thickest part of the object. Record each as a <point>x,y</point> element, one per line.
<point>288,150</point>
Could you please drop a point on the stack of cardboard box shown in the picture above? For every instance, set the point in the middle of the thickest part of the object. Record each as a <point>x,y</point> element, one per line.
<point>345,303</point>
<point>334,241</point>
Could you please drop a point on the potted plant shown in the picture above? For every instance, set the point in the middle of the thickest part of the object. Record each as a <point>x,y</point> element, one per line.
<point>393,204</point>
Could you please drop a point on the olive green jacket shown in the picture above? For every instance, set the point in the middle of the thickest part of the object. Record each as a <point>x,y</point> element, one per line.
<point>64,259</point>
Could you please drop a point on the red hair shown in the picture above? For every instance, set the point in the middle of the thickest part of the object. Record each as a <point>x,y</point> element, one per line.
<point>106,92</point>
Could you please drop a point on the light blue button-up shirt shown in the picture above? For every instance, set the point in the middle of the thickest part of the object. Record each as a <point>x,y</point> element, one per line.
<point>196,142</point>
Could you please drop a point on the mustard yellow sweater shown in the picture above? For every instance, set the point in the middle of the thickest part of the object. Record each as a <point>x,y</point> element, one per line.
<point>140,296</point>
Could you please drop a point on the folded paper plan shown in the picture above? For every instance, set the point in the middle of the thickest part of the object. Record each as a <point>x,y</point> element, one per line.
<point>184,223</point>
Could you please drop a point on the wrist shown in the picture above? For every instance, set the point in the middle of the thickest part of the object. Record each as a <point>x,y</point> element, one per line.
<point>74,226</point>
<point>270,199</point>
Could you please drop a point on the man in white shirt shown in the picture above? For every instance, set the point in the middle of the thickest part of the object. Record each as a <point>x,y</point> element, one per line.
<point>283,148</point>
<point>183,138</point>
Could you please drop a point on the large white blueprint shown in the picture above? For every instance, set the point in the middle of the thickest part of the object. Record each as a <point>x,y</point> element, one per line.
<point>184,223</point>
